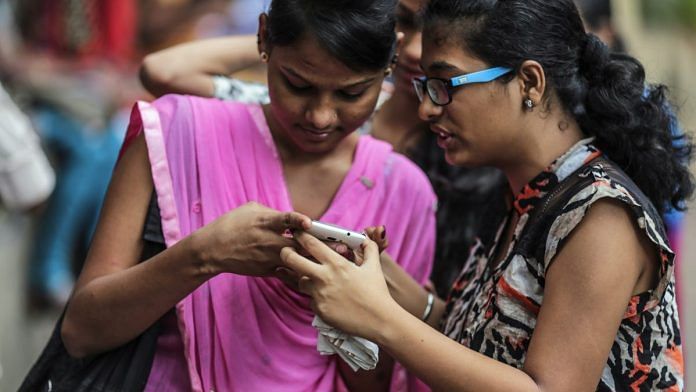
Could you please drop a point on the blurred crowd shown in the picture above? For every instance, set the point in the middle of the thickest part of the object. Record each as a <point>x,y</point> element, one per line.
<point>68,76</point>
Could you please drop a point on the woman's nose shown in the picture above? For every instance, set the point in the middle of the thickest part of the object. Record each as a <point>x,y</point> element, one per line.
<point>411,51</point>
<point>321,115</point>
<point>427,110</point>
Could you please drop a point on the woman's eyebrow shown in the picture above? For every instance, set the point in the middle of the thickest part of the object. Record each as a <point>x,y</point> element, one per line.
<point>293,73</point>
<point>443,66</point>
<point>364,81</point>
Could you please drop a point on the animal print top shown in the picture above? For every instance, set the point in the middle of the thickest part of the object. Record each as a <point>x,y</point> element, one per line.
<point>494,310</point>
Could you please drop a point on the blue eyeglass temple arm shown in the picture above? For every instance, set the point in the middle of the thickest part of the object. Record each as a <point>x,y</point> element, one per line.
<point>479,77</point>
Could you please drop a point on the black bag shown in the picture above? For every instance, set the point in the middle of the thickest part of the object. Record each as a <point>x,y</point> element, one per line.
<point>125,368</point>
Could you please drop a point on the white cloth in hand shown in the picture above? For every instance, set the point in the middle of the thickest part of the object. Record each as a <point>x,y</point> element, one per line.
<point>357,352</point>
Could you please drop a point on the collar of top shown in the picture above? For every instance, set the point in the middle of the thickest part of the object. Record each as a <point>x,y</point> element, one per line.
<point>535,190</point>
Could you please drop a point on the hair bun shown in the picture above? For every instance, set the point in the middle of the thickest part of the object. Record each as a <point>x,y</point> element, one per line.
<point>594,58</point>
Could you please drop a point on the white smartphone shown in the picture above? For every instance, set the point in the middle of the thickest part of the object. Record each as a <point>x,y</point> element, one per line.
<point>333,233</point>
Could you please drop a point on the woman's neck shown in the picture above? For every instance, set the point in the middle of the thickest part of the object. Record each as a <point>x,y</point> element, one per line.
<point>542,145</point>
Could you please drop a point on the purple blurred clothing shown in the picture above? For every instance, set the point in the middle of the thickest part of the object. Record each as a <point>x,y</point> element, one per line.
<point>240,333</point>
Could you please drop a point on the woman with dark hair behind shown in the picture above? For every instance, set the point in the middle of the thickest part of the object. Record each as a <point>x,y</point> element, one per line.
<point>194,169</point>
<point>578,290</point>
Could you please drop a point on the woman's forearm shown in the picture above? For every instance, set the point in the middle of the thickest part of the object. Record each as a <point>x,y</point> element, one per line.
<point>113,309</point>
<point>408,293</point>
<point>188,68</point>
<point>443,363</point>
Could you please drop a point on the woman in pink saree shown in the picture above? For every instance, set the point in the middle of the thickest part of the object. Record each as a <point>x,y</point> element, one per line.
<point>228,181</point>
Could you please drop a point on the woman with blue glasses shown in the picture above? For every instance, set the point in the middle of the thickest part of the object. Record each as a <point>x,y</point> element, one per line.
<point>440,90</point>
<point>577,291</point>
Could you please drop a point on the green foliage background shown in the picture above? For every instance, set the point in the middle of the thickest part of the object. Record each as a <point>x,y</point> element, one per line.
<point>670,12</point>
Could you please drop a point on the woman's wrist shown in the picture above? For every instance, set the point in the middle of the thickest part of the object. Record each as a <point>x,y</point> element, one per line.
<point>389,326</point>
<point>428,307</point>
<point>204,262</point>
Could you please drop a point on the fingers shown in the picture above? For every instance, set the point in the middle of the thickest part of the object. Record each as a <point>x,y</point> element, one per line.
<point>370,252</point>
<point>378,234</point>
<point>280,222</point>
<point>322,252</point>
<point>287,276</point>
<point>305,285</point>
<point>298,263</point>
<point>339,248</point>
<point>371,232</point>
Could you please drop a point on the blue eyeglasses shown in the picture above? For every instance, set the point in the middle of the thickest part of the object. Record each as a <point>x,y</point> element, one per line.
<point>440,90</point>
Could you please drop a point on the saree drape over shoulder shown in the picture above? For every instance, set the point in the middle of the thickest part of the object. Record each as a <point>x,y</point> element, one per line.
<point>239,333</point>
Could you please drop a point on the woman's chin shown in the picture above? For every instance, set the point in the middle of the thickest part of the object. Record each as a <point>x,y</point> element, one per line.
<point>312,146</point>
<point>457,157</point>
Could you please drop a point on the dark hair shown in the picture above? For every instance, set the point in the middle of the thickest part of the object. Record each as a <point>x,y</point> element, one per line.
<point>471,203</point>
<point>594,12</point>
<point>359,33</point>
<point>606,93</point>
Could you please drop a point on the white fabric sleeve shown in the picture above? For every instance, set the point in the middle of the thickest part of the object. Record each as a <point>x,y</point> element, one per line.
<point>26,177</point>
<point>231,89</point>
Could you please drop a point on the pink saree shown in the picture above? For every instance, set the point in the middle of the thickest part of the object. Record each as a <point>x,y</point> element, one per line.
<point>237,333</point>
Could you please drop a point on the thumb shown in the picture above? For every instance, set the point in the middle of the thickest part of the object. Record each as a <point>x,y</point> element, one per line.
<point>370,254</point>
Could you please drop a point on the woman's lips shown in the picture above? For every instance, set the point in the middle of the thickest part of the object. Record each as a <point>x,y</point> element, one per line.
<point>315,134</point>
<point>444,138</point>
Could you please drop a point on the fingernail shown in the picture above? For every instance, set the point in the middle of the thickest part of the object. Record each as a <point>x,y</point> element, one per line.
<point>341,249</point>
<point>282,270</point>
<point>384,232</point>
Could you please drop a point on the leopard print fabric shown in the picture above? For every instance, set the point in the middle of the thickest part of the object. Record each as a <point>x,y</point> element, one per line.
<point>494,310</point>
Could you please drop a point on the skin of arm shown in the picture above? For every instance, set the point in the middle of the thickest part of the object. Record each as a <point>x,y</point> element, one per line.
<point>116,298</point>
<point>588,287</point>
<point>188,68</point>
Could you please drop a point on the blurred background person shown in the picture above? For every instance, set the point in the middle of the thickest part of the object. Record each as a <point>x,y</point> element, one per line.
<point>73,65</point>
<point>70,67</point>
<point>597,15</point>
<point>26,177</point>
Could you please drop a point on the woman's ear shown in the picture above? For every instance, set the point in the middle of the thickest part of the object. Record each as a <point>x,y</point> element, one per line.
<point>395,57</point>
<point>532,84</point>
<point>262,36</point>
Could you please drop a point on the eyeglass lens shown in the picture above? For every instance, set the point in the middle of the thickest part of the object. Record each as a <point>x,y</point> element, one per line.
<point>418,85</point>
<point>437,90</point>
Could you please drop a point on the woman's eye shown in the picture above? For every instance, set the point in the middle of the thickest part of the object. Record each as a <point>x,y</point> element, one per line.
<point>297,87</point>
<point>351,94</point>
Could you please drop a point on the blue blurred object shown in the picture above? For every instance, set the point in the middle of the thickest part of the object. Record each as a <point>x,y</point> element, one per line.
<point>66,226</point>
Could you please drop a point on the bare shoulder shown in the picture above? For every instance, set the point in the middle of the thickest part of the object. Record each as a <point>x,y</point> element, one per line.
<point>601,264</point>
<point>116,244</point>
<point>608,240</point>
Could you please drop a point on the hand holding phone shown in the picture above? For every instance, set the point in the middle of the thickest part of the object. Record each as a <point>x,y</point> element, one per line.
<point>333,233</point>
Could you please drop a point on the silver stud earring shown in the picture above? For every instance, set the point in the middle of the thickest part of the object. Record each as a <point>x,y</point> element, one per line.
<point>529,104</point>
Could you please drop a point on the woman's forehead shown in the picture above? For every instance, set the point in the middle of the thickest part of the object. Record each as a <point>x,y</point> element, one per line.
<point>448,55</point>
<point>413,6</point>
<point>307,59</point>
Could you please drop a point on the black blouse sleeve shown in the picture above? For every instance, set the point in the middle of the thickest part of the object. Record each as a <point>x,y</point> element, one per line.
<point>152,231</point>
